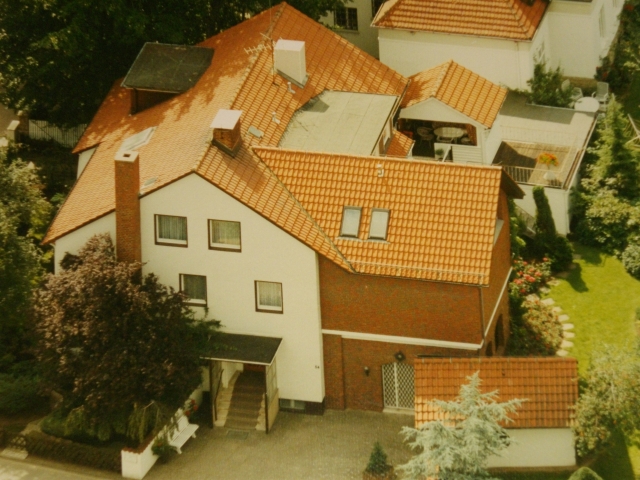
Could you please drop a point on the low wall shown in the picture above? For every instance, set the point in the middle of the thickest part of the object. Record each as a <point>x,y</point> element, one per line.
<point>537,447</point>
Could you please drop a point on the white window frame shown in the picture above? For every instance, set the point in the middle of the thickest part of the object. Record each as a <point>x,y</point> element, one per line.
<point>347,26</point>
<point>170,241</point>
<point>342,224</point>
<point>200,302</point>
<point>386,231</point>
<point>268,308</point>
<point>232,247</point>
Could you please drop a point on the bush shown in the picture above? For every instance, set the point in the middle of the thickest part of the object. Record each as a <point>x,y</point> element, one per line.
<point>631,260</point>
<point>18,393</point>
<point>528,277</point>
<point>585,473</point>
<point>561,254</point>
<point>536,332</point>
<point>378,464</point>
<point>546,87</point>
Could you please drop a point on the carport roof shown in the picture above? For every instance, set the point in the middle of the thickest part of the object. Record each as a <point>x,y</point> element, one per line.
<point>232,347</point>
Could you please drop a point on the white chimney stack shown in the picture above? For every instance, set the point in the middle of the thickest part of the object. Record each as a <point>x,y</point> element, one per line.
<point>290,61</point>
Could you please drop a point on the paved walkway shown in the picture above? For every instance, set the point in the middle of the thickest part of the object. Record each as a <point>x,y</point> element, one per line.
<point>336,445</point>
<point>28,470</point>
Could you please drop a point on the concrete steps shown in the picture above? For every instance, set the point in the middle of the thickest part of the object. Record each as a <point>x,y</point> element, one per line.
<point>246,401</point>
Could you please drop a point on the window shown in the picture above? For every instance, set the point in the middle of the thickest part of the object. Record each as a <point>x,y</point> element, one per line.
<point>375,6</point>
<point>350,222</point>
<point>379,224</point>
<point>268,297</point>
<point>346,18</point>
<point>195,288</point>
<point>601,23</point>
<point>171,230</point>
<point>224,235</point>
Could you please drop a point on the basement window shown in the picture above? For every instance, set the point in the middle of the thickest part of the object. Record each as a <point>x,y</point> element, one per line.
<point>195,289</point>
<point>171,230</point>
<point>379,224</point>
<point>350,222</point>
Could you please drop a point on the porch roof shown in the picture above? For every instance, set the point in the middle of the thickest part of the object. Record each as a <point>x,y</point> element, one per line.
<point>233,347</point>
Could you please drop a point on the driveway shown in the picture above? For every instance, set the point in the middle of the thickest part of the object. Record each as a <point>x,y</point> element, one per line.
<point>336,445</point>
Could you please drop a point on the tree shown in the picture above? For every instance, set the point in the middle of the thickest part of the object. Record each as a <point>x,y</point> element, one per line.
<point>610,400</point>
<point>546,87</point>
<point>115,342</point>
<point>59,58</point>
<point>547,242</point>
<point>457,446</point>
<point>23,215</point>
<point>378,463</point>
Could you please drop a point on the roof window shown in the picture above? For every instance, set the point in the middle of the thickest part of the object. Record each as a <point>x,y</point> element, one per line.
<point>138,140</point>
<point>379,224</point>
<point>350,222</point>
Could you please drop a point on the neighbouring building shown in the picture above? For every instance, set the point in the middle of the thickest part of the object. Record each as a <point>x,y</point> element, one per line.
<point>499,39</point>
<point>541,427</point>
<point>267,181</point>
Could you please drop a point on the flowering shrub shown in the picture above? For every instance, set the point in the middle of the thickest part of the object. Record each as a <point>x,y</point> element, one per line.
<point>528,277</point>
<point>547,159</point>
<point>190,407</point>
<point>537,332</point>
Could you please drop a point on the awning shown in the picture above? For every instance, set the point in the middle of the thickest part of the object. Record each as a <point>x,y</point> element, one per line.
<point>245,349</point>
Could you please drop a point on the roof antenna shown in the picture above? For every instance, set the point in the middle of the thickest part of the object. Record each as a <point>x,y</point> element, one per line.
<point>274,118</point>
<point>289,89</point>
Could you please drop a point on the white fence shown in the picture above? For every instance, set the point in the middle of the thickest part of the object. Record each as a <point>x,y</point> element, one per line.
<point>42,130</point>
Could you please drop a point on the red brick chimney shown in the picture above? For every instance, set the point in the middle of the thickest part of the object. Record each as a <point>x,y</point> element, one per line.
<point>127,175</point>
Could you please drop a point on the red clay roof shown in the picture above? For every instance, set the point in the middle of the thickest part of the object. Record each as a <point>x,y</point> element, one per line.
<point>460,88</point>
<point>442,215</point>
<point>510,19</point>
<point>549,384</point>
<point>400,145</point>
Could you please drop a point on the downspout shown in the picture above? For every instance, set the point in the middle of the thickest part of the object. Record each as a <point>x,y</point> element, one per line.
<point>482,326</point>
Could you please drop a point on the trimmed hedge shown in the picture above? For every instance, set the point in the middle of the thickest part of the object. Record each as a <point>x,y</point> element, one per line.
<point>18,394</point>
<point>45,446</point>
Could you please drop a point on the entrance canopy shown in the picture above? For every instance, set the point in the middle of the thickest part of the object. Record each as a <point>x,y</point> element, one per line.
<point>233,347</point>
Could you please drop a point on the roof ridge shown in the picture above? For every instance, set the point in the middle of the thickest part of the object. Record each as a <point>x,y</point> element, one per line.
<point>394,5</point>
<point>439,82</point>
<point>253,60</point>
<point>518,15</point>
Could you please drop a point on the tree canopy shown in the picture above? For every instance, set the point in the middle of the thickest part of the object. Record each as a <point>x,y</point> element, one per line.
<point>113,341</point>
<point>59,58</point>
<point>23,214</point>
<point>457,446</point>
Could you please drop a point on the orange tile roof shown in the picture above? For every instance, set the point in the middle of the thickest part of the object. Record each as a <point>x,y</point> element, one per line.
<point>510,19</point>
<point>442,220</point>
<point>549,384</point>
<point>400,145</point>
<point>460,88</point>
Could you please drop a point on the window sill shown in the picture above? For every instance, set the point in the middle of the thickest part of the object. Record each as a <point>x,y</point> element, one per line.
<point>345,30</point>
<point>169,243</point>
<point>222,247</point>
<point>264,310</point>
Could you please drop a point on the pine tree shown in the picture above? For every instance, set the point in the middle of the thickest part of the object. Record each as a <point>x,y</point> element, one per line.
<point>547,241</point>
<point>378,463</point>
<point>457,446</point>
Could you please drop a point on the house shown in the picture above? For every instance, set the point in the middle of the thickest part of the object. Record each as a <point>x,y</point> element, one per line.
<point>258,179</point>
<point>541,427</point>
<point>499,39</point>
<point>488,125</point>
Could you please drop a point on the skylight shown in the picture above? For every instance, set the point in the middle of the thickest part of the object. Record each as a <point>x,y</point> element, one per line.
<point>379,224</point>
<point>350,222</point>
<point>138,140</point>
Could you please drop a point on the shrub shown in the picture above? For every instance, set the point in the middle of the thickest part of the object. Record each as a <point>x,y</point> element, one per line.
<point>561,254</point>
<point>528,277</point>
<point>18,393</point>
<point>585,473</point>
<point>631,260</point>
<point>537,332</point>
<point>378,464</point>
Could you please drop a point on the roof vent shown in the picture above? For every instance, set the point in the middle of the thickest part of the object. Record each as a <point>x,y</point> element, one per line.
<point>226,130</point>
<point>290,61</point>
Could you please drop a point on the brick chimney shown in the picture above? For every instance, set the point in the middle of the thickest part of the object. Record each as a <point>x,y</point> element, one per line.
<point>127,176</point>
<point>226,130</point>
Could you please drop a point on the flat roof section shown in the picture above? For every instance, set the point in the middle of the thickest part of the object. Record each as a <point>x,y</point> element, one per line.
<point>339,122</point>
<point>232,347</point>
<point>168,68</point>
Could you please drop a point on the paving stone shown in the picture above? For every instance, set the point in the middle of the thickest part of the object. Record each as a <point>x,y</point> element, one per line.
<point>545,289</point>
<point>533,297</point>
<point>569,335</point>
<point>567,326</point>
<point>554,282</point>
<point>577,256</point>
<point>566,344</point>
<point>564,274</point>
<point>14,453</point>
<point>556,310</point>
<point>563,318</point>
<point>548,301</point>
<point>562,353</point>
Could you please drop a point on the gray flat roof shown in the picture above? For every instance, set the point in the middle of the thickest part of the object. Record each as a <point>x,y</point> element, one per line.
<point>339,122</point>
<point>232,347</point>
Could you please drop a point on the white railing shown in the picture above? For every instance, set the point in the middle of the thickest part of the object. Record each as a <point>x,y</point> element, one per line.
<point>42,130</point>
<point>466,154</point>
<point>532,135</point>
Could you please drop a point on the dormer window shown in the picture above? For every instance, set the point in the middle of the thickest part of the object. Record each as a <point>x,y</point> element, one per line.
<point>379,224</point>
<point>350,222</point>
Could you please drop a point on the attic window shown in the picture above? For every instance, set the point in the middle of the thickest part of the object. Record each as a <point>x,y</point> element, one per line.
<point>350,222</point>
<point>138,140</point>
<point>379,224</point>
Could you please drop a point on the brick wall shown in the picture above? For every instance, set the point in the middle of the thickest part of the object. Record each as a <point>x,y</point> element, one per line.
<point>127,179</point>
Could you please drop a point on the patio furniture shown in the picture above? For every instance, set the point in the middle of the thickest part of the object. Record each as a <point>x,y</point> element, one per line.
<point>602,92</point>
<point>448,134</point>
<point>425,134</point>
<point>587,104</point>
<point>466,141</point>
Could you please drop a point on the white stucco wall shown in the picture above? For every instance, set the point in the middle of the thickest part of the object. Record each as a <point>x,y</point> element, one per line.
<point>268,254</point>
<point>366,37</point>
<point>558,201</point>
<point>75,240</point>
<point>537,447</point>
<point>502,61</point>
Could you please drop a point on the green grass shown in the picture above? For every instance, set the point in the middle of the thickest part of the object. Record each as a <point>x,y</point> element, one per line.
<point>601,299</point>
